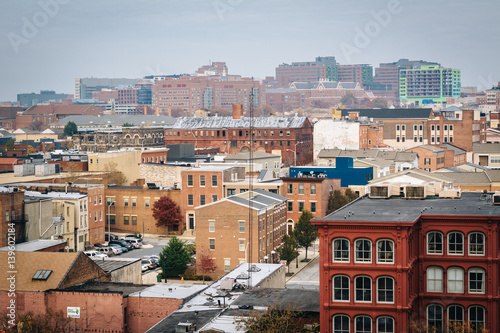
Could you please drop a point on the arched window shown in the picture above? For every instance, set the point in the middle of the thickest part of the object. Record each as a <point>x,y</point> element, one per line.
<point>363,289</point>
<point>385,289</point>
<point>434,279</point>
<point>341,324</point>
<point>435,317</point>
<point>385,251</point>
<point>363,324</point>
<point>476,317</point>
<point>476,280</point>
<point>385,325</point>
<point>476,244</point>
<point>455,317</point>
<point>455,277</point>
<point>341,288</point>
<point>455,243</point>
<point>363,250</point>
<point>341,250</point>
<point>434,242</point>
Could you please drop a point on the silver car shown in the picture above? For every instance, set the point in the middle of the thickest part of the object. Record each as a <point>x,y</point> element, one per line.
<point>117,249</point>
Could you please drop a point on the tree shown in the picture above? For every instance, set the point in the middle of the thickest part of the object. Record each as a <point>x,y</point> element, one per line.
<point>128,125</point>
<point>51,321</point>
<point>31,150</point>
<point>338,199</point>
<point>288,249</point>
<point>166,212</point>
<point>305,233</point>
<point>116,177</point>
<point>70,129</point>
<point>174,258</point>
<point>10,145</point>
<point>51,146</point>
<point>206,263</point>
<point>379,102</point>
<point>349,99</point>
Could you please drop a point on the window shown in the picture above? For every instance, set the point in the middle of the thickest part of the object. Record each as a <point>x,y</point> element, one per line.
<point>231,191</point>
<point>434,243</point>
<point>301,188</point>
<point>100,215</point>
<point>341,288</point>
<point>476,244</point>
<point>202,199</point>
<point>190,199</point>
<point>341,324</point>
<point>435,317</point>
<point>214,181</point>
<point>476,281</point>
<point>313,207</point>
<point>341,250</point>
<point>455,316</point>
<point>363,324</point>
<point>385,251</point>
<point>301,206</point>
<point>134,202</point>
<point>241,244</point>
<point>455,243</point>
<point>202,180</point>
<point>434,279</point>
<point>211,243</point>
<point>146,202</point>
<point>214,197</point>
<point>7,216</point>
<point>363,250</point>
<point>455,277</point>
<point>385,325</point>
<point>289,189</point>
<point>95,200</point>
<point>126,219</point>
<point>227,265</point>
<point>242,226</point>
<point>313,189</point>
<point>211,226</point>
<point>134,220</point>
<point>290,206</point>
<point>476,317</point>
<point>95,216</point>
<point>385,290</point>
<point>363,289</point>
<point>100,200</point>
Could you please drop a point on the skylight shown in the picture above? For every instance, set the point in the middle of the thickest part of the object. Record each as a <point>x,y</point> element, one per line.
<point>42,275</point>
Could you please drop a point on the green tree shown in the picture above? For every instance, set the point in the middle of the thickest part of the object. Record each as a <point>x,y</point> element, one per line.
<point>10,145</point>
<point>166,212</point>
<point>288,249</point>
<point>116,176</point>
<point>350,195</point>
<point>338,199</point>
<point>379,102</point>
<point>70,129</point>
<point>305,233</point>
<point>174,258</point>
<point>128,125</point>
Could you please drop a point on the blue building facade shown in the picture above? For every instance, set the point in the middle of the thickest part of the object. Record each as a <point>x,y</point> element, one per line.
<point>343,170</point>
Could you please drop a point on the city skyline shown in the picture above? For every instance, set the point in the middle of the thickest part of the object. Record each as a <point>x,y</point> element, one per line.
<point>49,43</point>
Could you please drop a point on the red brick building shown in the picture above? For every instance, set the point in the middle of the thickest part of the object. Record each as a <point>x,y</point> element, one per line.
<point>39,117</point>
<point>12,213</point>
<point>386,262</point>
<point>232,135</point>
<point>158,156</point>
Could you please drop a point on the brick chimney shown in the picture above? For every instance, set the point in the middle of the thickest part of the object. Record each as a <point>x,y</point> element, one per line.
<point>237,111</point>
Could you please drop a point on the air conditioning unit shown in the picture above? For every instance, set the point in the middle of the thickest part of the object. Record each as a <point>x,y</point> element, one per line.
<point>454,193</point>
<point>496,198</point>
<point>380,191</point>
<point>415,192</point>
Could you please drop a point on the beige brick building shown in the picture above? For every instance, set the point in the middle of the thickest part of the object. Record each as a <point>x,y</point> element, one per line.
<point>246,227</point>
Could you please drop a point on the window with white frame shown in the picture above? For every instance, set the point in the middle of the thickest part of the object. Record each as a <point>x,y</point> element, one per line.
<point>385,325</point>
<point>385,251</point>
<point>434,242</point>
<point>341,324</point>
<point>211,243</point>
<point>363,249</point>
<point>363,324</point>
<point>476,244</point>
<point>385,289</point>
<point>227,265</point>
<point>301,188</point>
<point>313,189</point>
<point>476,280</point>
<point>241,244</point>
<point>435,317</point>
<point>455,280</point>
<point>190,180</point>
<point>190,200</point>
<point>241,226</point>
<point>434,279</point>
<point>202,180</point>
<point>455,243</point>
<point>341,288</point>
<point>211,226</point>
<point>476,317</point>
<point>214,180</point>
<point>363,289</point>
<point>341,250</point>
<point>455,316</point>
<point>202,199</point>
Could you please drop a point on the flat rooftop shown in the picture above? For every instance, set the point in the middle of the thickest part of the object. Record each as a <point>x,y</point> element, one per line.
<point>112,264</point>
<point>177,291</point>
<point>109,287</point>
<point>35,245</point>
<point>399,209</point>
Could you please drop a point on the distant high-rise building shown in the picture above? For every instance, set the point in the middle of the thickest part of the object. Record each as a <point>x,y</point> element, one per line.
<point>213,69</point>
<point>307,71</point>
<point>362,74</point>
<point>85,86</point>
<point>31,99</point>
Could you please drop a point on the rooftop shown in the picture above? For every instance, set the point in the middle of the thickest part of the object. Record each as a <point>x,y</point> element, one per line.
<point>35,245</point>
<point>112,264</point>
<point>244,122</point>
<point>391,113</point>
<point>108,287</point>
<point>177,291</point>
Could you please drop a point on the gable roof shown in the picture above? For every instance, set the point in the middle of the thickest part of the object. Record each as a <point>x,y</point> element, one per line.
<point>433,149</point>
<point>244,122</point>
<point>63,109</point>
<point>117,120</point>
<point>455,149</point>
<point>416,173</point>
<point>391,113</point>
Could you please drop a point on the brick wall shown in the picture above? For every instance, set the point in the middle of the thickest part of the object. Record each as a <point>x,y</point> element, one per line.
<point>144,312</point>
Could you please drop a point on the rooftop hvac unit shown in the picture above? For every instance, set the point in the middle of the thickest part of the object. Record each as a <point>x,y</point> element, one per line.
<point>454,193</point>
<point>379,192</point>
<point>415,192</point>
<point>496,198</point>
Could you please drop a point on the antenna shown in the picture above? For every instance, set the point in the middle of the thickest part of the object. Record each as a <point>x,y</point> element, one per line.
<point>250,186</point>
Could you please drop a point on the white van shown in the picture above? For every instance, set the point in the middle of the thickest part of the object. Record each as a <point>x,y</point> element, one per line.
<point>95,254</point>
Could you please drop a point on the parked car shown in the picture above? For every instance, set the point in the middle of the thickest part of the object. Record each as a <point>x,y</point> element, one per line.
<point>122,244</point>
<point>154,260</point>
<point>134,242</point>
<point>96,245</point>
<point>106,250</point>
<point>108,237</point>
<point>117,249</point>
<point>145,266</point>
<point>132,236</point>
<point>149,262</point>
<point>95,254</point>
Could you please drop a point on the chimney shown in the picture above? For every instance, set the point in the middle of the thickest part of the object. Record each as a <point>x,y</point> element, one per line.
<point>145,110</point>
<point>237,111</point>
<point>169,111</point>
<point>157,110</point>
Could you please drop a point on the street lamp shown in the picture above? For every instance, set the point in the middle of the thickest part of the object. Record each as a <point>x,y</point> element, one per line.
<point>295,152</point>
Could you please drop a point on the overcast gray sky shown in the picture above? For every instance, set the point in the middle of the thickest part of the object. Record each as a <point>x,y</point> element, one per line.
<point>46,44</point>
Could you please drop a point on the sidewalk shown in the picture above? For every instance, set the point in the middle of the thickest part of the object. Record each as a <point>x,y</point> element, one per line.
<point>297,265</point>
